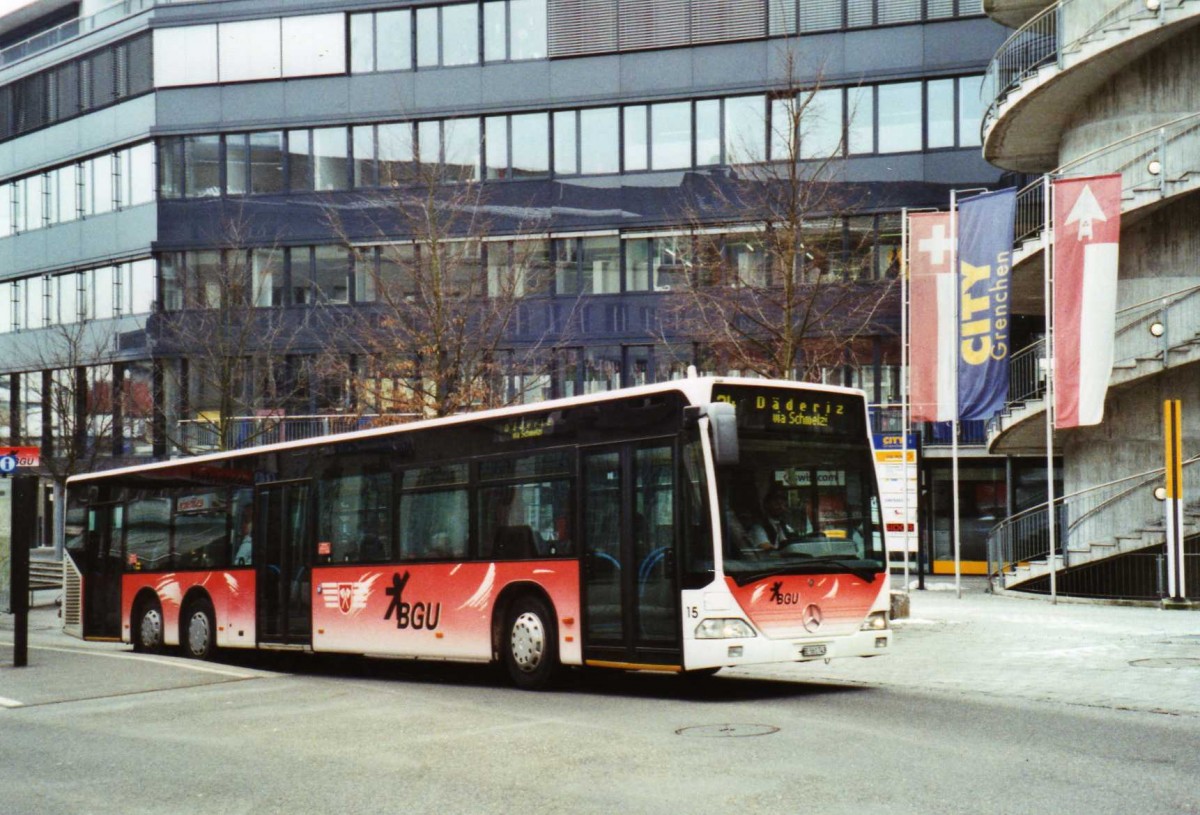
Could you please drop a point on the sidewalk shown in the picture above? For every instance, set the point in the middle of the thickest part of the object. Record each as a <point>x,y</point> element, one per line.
<point>1119,657</point>
<point>63,668</point>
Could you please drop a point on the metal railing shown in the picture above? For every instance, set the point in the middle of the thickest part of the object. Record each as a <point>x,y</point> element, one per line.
<point>200,435</point>
<point>1152,329</point>
<point>1027,49</point>
<point>1027,373</point>
<point>1145,331</point>
<point>890,419</point>
<point>1043,40</point>
<point>51,37</point>
<point>45,40</point>
<point>1082,518</point>
<point>1132,576</point>
<point>1147,161</point>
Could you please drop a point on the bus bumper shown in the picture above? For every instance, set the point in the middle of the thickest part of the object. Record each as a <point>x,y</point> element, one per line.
<point>759,650</point>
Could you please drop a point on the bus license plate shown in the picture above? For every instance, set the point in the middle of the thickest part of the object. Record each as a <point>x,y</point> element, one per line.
<point>812,651</point>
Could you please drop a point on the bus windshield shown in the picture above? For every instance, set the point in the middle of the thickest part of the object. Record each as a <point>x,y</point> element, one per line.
<point>802,497</point>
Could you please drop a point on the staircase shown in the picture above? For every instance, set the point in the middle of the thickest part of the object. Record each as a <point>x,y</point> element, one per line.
<point>1091,525</point>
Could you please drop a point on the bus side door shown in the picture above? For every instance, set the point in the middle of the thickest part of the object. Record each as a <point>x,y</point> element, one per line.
<point>283,531</point>
<point>630,583</point>
<point>103,570</point>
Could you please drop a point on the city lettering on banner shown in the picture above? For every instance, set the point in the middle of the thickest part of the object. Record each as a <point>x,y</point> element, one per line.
<point>415,615</point>
<point>984,311</point>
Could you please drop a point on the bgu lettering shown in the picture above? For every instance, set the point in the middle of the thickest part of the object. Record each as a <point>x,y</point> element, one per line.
<point>984,315</point>
<point>417,615</point>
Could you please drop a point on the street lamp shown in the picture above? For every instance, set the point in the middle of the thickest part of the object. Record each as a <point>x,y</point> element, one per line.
<point>1157,329</point>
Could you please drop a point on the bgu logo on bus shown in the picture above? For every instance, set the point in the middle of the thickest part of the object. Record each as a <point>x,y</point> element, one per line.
<point>417,615</point>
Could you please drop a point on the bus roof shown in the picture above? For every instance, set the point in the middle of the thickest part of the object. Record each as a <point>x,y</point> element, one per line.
<point>696,389</point>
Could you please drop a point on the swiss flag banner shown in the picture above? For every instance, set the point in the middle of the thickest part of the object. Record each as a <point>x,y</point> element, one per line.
<point>1087,228</point>
<point>931,317</point>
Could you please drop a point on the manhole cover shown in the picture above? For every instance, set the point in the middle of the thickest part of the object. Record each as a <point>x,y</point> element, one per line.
<point>1166,662</point>
<point>718,731</point>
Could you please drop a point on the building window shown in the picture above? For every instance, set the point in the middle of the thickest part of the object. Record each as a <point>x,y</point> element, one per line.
<point>899,117</point>
<point>820,121</point>
<point>330,158</point>
<point>427,37</point>
<point>530,144</point>
<point>566,142</point>
<point>460,34</point>
<point>860,119</point>
<point>381,41</point>
<point>299,160</point>
<point>636,124</point>
<point>514,30</point>
<point>245,51</point>
<point>599,141</point>
<point>868,119</point>
<point>970,111</point>
<point>670,136</point>
<point>745,129</point>
<point>202,166</point>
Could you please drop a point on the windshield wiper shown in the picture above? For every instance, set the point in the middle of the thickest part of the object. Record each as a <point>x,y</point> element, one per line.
<point>865,573</point>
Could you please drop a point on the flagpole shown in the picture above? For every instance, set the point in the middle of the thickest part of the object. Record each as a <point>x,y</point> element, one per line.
<point>1048,291</point>
<point>957,530</point>
<point>905,413</point>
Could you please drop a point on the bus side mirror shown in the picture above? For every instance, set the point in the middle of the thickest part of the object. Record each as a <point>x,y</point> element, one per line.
<point>722,420</point>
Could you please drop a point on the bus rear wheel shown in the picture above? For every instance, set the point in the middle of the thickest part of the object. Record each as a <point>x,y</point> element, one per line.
<point>530,644</point>
<point>199,630</point>
<point>148,627</point>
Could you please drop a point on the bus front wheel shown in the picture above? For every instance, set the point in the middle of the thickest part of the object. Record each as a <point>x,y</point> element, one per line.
<point>531,644</point>
<point>199,630</point>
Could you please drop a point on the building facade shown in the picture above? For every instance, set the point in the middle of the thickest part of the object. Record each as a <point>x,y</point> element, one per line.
<point>155,154</point>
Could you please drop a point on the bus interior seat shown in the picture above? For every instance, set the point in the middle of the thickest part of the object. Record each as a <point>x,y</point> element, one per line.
<point>371,549</point>
<point>514,543</point>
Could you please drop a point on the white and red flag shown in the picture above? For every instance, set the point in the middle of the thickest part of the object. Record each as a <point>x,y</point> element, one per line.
<point>1087,227</point>
<point>931,317</point>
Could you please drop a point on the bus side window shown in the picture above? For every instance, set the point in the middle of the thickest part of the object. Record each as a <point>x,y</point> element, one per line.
<point>433,525</point>
<point>199,529</point>
<point>434,514</point>
<point>242,544</point>
<point>355,518</point>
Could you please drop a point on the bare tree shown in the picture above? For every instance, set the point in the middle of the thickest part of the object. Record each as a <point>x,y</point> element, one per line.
<point>86,409</point>
<point>234,363</point>
<point>452,326</point>
<point>778,293</point>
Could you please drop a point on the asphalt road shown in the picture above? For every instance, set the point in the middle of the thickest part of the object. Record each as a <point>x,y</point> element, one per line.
<point>269,733</point>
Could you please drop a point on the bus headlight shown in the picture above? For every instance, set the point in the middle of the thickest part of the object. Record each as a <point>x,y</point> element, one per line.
<point>876,621</point>
<point>724,628</point>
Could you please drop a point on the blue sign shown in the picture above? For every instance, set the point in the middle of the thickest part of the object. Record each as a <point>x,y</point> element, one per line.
<point>895,441</point>
<point>985,239</point>
<point>8,463</point>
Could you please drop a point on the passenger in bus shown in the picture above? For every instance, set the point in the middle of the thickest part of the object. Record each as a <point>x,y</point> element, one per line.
<point>245,540</point>
<point>774,530</point>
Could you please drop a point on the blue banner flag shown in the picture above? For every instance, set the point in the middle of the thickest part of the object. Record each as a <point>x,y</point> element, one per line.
<point>985,240</point>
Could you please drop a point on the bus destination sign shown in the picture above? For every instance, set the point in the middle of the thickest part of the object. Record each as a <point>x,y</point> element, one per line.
<point>773,409</point>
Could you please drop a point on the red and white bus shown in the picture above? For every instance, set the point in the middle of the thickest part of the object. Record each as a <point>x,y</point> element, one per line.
<point>615,530</point>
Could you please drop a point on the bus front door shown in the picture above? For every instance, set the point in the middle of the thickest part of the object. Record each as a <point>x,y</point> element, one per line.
<point>284,531</point>
<point>102,570</point>
<point>630,586</point>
